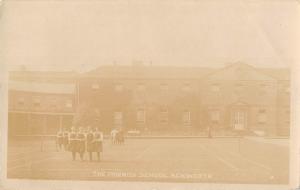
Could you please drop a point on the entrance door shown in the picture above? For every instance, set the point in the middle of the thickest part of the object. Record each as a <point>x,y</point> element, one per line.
<point>239,119</point>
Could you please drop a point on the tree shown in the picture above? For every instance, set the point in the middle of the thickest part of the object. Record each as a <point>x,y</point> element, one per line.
<point>86,115</point>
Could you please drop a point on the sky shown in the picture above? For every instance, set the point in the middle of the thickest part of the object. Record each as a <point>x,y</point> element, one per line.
<point>81,35</point>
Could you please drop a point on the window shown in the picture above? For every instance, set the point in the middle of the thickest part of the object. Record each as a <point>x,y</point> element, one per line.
<point>141,116</point>
<point>215,88</point>
<point>21,101</point>
<point>141,87</point>
<point>36,101</point>
<point>164,115</point>
<point>118,87</point>
<point>239,86</point>
<point>69,104</point>
<point>186,118</point>
<point>263,88</point>
<point>215,115</point>
<point>287,113</point>
<point>164,87</point>
<point>53,103</point>
<point>118,118</point>
<point>287,89</point>
<point>95,86</point>
<point>186,87</point>
<point>262,116</point>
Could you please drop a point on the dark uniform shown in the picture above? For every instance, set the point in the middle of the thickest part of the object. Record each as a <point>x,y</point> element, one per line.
<point>66,140</point>
<point>90,144</point>
<point>120,137</point>
<point>98,145</point>
<point>59,139</point>
<point>80,144</point>
<point>73,144</point>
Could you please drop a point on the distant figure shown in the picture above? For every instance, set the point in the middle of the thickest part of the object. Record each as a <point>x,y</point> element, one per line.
<point>59,139</point>
<point>90,143</point>
<point>80,145</point>
<point>66,139</point>
<point>113,135</point>
<point>98,142</point>
<point>120,137</point>
<point>209,131</point>
<point>73,143</point>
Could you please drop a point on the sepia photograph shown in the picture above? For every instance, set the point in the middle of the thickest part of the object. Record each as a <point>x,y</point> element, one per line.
<point>181,92</point>
<point>145,122</point>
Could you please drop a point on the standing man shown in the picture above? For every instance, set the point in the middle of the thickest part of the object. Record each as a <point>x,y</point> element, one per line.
<point>90,143</point>
<point>81,143</point>
<point>73,143</point>
<point>59,139</point>
<point>210,128</point>
<point>113,135</point>
<point>121,136</point>
<point>98,142</point>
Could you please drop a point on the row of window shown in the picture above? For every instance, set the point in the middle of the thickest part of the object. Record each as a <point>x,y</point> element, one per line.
<point>187,87</point>
<point>37,102</point>
<point>141,87</point>
<point>141,117</point>
<point>240,87</point>
<point>239,117</point>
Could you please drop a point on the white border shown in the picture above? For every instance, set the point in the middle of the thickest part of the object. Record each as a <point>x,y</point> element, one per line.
<point>48,184</point>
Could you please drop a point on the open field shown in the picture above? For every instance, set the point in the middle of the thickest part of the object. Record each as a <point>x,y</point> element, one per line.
<point>223,160</point>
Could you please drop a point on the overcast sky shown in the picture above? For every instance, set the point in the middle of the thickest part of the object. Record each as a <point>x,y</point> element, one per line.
<point>83,34</point>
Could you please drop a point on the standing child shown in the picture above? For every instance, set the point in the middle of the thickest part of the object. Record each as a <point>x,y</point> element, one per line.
<point>73,143</point>
<point>90,143</point>
<point>66,139</point>
<point>81,143</point>
<point>98,142</point>
<point>59,139</point>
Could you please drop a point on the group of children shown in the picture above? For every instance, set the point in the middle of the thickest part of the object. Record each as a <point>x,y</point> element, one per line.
<point>117,136</point>
<point>81,141</point>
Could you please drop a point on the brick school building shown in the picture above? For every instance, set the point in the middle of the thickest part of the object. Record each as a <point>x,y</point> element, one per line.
<point>157,100</point>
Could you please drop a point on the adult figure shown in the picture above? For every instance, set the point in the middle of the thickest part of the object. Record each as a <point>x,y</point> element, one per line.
<point>113,135</point>
<point>59,139</point>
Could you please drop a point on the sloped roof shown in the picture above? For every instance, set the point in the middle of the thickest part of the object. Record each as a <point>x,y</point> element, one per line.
<point>161,72</point>
<point>52,88</point>
<point>139,71</point>
<point>242,71</point>
<point>148,72</point>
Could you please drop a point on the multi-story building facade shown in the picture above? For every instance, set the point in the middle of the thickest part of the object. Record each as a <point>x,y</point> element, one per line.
<point>167,99</point>
<point>243,97</point>
<point>40,102</point>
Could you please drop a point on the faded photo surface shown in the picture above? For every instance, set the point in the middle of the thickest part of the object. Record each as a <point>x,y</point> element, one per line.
<point>173,91</point>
